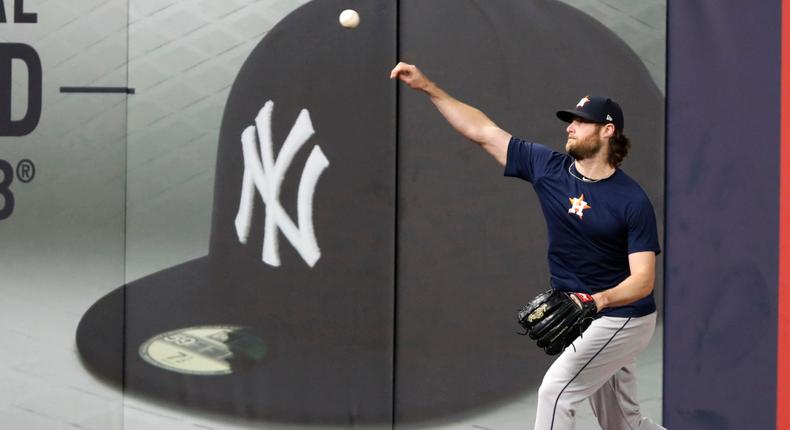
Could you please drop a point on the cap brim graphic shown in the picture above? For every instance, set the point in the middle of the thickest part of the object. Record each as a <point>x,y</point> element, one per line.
<point>414,294</point>
<point>308,360</point>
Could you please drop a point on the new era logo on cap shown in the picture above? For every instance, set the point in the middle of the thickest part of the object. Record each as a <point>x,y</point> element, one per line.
<point>596,109</point>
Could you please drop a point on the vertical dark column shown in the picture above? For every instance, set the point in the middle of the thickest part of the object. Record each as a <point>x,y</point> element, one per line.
<point>472,244</point>
<point>396,214</point>
<point>722,214</point>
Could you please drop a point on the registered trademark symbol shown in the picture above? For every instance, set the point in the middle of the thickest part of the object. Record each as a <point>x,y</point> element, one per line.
<point>25,170</point>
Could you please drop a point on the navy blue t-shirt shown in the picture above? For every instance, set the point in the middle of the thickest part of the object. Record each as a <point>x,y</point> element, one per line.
<point>592,226</point>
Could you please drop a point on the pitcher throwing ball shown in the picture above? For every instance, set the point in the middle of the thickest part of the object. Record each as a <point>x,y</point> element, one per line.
<point>602,241</point>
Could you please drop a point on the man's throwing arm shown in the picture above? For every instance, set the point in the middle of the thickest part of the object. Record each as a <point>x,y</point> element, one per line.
<point>469,121</point>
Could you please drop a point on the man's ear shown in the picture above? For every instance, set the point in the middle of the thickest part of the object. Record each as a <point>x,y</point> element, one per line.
<point>607,131</point>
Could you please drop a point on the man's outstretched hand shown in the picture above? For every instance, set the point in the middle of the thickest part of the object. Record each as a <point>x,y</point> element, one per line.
<point>411,76</point>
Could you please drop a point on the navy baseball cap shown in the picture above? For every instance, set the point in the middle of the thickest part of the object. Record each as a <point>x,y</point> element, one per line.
<point>596,109</point>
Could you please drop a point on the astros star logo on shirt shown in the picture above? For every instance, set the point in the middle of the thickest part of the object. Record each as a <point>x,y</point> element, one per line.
<point>578,205</point>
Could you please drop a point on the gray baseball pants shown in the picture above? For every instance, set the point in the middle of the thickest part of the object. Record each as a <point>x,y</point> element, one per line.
<point>602,369</point>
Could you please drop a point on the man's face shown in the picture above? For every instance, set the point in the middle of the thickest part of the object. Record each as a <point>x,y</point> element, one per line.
<point>584,140</point>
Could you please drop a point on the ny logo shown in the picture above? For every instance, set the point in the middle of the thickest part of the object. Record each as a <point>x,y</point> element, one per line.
<point>265,173</point>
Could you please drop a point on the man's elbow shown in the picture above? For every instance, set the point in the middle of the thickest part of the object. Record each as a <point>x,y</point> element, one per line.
<point>647,284</point>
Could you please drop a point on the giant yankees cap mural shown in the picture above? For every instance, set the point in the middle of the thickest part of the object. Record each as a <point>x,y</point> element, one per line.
<point>353,274</point>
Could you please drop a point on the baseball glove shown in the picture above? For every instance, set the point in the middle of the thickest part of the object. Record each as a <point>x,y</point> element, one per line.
<point>554,319</point>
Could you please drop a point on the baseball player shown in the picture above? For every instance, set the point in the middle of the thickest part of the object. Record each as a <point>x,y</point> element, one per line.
<point>602,241</point>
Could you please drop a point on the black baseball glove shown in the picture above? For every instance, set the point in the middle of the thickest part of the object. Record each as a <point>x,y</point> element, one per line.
<point>554,319</point>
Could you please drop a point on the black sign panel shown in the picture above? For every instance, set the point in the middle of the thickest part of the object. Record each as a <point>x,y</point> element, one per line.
<point>472,244</point>
<point>302,242</point>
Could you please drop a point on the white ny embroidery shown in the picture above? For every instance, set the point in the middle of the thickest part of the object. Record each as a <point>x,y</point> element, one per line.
<point>266,174</point>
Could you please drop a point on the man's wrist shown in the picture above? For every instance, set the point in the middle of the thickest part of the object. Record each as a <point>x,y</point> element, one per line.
<point>600,301</point>
<point>429,87</point>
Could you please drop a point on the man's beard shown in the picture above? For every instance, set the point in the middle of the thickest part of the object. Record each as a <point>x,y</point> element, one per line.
<point>584,149</point>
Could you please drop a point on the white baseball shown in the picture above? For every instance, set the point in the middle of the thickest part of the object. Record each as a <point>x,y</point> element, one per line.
<point>349,18</point>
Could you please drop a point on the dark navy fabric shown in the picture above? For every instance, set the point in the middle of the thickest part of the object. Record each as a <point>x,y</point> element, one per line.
<point>723,150</point>
<point>592,226</point>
